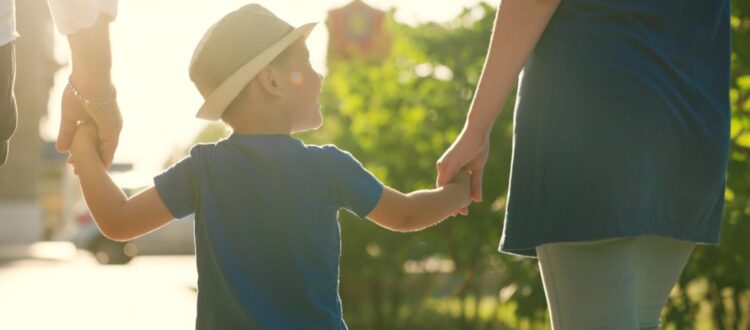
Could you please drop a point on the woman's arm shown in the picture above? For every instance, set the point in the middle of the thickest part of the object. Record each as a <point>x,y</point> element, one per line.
<point>90,78</point>
<point>422,208</point>
<point>118,217</point>
<point>518,26</point>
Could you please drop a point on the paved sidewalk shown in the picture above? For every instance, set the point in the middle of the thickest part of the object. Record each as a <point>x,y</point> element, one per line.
<point>48,286</point>
<point>39,250</point>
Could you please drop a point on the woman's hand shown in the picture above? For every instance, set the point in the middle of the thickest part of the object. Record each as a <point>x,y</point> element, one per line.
<point>92,61</point>
<point>108,123</point>
<point>518,26</point>
<point>469,152</point>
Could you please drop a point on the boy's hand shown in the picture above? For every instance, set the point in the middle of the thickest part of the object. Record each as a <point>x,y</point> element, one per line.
<point>463,180</point>
<point>85,141</point>
<point>468,152</point>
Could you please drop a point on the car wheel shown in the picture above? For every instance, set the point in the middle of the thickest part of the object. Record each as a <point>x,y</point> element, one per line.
<point>109,252</point>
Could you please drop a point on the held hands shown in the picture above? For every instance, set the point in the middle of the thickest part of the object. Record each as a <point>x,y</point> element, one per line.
<point>107,118</point>
<point>468,153</point>
<point>85,138</point>
<point>84,144</point>
<point>463,180</point>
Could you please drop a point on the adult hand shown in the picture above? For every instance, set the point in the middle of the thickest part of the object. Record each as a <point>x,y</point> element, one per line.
<point>108,122</point>
<point>469,152</point>
<point>92,61</point>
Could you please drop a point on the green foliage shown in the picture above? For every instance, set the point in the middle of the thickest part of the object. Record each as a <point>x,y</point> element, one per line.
<point>398,116</point>
<point>724,270</point>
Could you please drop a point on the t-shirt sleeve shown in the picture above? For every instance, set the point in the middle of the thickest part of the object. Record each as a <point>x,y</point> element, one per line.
<point>355,188</point>
<point>176,189</point>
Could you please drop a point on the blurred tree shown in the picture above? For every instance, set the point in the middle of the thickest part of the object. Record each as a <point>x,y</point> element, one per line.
<point>213,132</point>
<point>721,274</point>
<point>398,116</point>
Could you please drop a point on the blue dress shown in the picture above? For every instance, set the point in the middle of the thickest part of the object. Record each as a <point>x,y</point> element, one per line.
<point>621,125</point>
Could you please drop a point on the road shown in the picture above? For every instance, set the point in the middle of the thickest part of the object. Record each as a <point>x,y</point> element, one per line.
<point>53,286</point>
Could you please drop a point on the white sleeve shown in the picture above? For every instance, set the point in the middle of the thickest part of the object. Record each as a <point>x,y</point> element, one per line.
<point>73,15</point>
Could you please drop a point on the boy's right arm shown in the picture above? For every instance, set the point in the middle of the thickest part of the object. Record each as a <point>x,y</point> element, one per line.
<point>423,208</point>
<point>118,217</point>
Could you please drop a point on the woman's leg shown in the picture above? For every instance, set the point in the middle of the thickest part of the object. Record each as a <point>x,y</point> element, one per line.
<point>590,285</point>
<point>611,284</point>
<point>659,262</point>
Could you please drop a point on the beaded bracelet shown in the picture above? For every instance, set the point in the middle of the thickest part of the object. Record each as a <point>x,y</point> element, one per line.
<point>92,103</point>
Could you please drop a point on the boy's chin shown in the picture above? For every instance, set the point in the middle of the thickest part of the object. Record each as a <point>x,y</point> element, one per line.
<point>310,125</point>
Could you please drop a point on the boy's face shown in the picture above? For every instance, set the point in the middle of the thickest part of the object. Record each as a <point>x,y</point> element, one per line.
<point>303,87</point>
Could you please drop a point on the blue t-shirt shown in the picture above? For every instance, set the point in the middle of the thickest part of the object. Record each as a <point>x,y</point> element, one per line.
<point>266,230</point>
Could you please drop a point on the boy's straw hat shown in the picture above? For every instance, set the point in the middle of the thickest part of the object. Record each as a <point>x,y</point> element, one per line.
<point>234,50</point>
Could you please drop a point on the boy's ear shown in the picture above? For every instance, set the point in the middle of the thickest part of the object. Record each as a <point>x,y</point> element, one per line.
<point>268,78</point>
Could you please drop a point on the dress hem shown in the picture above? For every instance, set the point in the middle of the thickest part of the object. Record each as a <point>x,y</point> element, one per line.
<point>700,236</point>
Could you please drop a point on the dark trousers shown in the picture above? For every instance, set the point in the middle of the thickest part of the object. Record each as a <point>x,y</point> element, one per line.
<point>8,115</point>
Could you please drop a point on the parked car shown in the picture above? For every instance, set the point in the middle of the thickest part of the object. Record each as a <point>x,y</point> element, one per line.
<point>176,238</point>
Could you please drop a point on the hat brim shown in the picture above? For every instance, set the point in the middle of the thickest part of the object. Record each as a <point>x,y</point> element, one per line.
<point>222,96</point>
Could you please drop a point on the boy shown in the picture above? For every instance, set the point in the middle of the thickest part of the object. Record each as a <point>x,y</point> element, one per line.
<point>265,204</point>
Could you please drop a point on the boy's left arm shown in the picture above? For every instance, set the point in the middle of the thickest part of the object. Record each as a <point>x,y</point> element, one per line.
<point>118,217</point>
<point>423,208</point>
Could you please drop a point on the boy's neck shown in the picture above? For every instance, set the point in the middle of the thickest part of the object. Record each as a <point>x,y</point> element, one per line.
<point>271,122</point>
<point>261,130</point>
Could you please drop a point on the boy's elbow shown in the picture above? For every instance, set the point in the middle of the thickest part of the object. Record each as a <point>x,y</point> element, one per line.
<point>406,224</point>
<point>406,221</point>
<point>114,233</point>
<point>114,229</point>
<point>397,222</point>
<point>397,213</point>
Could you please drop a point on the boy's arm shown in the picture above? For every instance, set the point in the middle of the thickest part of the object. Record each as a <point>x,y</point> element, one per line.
<point>118,217</point>
<point>423,208</point>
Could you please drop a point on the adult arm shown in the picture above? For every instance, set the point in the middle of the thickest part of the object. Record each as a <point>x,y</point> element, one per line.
<point>518,26</point>
<point>86,23</point>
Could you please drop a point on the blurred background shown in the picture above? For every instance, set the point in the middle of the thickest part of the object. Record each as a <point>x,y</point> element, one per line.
<point>399,79</point>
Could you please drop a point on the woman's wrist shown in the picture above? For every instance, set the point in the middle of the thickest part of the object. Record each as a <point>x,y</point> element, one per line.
<point>92,86</point>
<point>99,95</point>
<point>477,131</point>
<point>92,60</point>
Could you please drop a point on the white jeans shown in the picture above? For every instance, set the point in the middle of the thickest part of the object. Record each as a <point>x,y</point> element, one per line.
<point>611,284</point>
